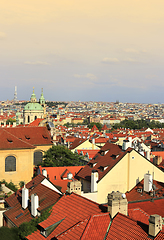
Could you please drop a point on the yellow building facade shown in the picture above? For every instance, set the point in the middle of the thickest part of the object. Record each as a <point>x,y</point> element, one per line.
<point>21,149</point>
<point>122,176</point>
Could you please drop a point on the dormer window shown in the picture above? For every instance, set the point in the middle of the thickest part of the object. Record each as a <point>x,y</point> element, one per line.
<point>47,231</point>
<point>45,137</point>
<point>27,137</point>
<point>102,168</point>
<point>115,156</point>
<point>9,140</point>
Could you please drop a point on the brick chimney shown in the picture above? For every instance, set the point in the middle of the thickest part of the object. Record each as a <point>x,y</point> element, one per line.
<point>117,202</point>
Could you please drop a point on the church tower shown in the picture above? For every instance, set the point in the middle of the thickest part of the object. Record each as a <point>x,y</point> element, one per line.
<point>42,99</point>
<point>33,109</point>
<point>33,97</point>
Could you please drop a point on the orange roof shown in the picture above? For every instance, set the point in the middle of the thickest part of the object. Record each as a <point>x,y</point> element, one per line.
<point>36,122</point>
<point>57,173</point>
<point>76,209</point>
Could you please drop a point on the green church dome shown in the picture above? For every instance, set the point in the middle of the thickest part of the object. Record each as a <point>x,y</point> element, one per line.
<point>33,106</point>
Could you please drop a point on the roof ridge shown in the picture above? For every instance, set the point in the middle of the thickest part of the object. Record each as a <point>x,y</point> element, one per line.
<point>86,199</point>
<point>90,220</point>
<point>73,226</point>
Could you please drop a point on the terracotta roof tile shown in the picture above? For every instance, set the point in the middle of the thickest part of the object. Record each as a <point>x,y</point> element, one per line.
<point>123,227</point>
<point>24,137</point>
<point>155,206</point>
<point>47,197</point>
<point>134,195</point>
<point>113,155</point>
<point>72,209</point>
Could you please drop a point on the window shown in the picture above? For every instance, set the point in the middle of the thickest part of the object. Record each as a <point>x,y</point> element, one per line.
<point>10,164</point>
<point>35,117</point>
<point>38,156</point>
<point>28,119</point>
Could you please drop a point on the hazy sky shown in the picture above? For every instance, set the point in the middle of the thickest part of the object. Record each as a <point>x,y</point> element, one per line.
<point>84,50</point>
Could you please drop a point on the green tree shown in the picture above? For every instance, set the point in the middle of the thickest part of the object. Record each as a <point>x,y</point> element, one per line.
<point>58,156</point>
<point>27,228</point>
<point>9,233</point>
<point>98,125</point>
<point>10,120</point>
<point>9,185</point>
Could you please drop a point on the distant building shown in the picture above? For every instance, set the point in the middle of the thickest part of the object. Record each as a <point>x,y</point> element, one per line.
<point>15,94</point>
<point>33,109</point>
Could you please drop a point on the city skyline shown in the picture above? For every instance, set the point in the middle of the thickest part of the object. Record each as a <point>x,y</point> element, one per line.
<point>105,51</point>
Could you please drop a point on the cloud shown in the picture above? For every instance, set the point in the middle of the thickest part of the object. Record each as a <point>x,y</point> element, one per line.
<point>37,63</point>
<point>130,60</point>
<point>110,60</point>
<point>2,35</point>
<point>151,76</point>
<point>131,50</point>
<point>134,51</point>
<point>88,75</point>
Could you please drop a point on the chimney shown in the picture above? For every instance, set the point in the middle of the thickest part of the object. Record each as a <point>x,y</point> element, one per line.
<point>74,186</point>
<point>155,225</point>
<point>44,172</point>
<point>34,204</point>
<point>148,155</point>
<point>25,197</point>
<point>148,182</point>
<point>93,143</point>
<point>157,160</point>
<point>117,202</point>
<point>94,179</point>
<point>125,145</point>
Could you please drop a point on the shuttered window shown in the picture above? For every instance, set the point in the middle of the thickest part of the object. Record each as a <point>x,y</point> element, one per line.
<point>10,164</point>
<point>38,156</point>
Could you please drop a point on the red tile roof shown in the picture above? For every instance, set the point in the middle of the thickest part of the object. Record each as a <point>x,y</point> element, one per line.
<point>71,209</point>
<point>134,195</point>
<point>36,122</point>
<point>109,160</point>
<point>104,127</point>
<point>154,206</point>
<point>94,227</point>
<point>94,128</point>
<point>76,143</point>
<point>47,197</point>
<point>123,227</point>
<point>138,214</point>
<point>97,227</point>
<point>24,137</point>
<point>56,173</point>
<point>91,153</point>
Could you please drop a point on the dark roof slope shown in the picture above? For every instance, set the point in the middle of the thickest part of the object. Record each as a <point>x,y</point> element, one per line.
<point>47,197</point>
<point>108,156</point>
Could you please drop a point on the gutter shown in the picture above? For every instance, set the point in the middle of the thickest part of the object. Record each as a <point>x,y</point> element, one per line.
<point>108,229</point>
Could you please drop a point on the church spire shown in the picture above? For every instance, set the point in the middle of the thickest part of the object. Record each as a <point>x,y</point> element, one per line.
<point>42,99</point>
<point>33,96</point>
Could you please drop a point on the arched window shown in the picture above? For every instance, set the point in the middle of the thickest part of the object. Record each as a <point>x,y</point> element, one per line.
<point>35,117</point>
<point>28,119</point>
<point>10,164</point>
<point>38,156</point>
